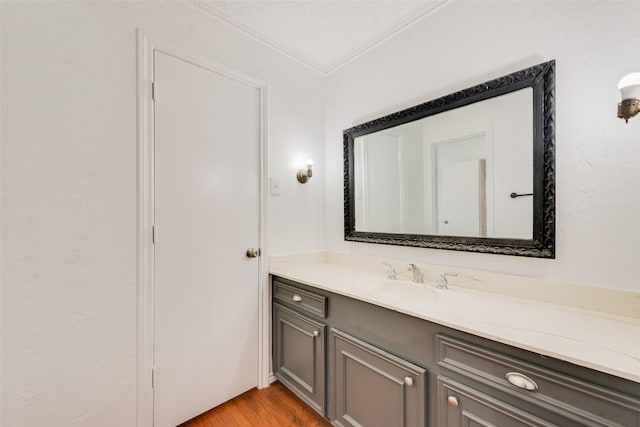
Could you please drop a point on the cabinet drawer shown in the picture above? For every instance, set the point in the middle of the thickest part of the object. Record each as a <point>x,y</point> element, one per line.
<point>303,300</point>
<point>579,401</point>
<point>460,405</point>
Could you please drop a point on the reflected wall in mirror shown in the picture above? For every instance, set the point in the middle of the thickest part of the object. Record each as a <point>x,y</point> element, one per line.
<point>470,171</point>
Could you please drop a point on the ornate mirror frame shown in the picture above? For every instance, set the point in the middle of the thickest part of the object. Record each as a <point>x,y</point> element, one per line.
<point>541,78</point>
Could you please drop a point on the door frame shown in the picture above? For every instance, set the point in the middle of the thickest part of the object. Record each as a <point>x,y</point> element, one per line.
<point>145,220</point>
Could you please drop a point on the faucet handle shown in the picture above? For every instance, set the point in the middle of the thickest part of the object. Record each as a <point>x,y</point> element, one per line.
<point>418,277</point>
<point>391,271</point>
<point>442,281</point>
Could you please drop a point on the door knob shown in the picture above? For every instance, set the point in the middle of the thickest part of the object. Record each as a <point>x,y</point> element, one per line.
<point>253,253</point>
<point>453,401</point>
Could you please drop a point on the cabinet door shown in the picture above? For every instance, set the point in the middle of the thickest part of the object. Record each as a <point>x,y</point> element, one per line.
<point>299,355</point>
<point>373,388</point>
<point>566,400</point>
<point>463,406</point>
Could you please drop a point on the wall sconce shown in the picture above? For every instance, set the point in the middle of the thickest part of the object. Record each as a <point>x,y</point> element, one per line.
<point>630,90</point>
<point>303,175</point>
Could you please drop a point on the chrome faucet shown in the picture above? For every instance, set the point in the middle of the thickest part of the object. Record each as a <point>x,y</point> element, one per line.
<point>391,272</point>
<point>418,277</point>
<point>442,282</point>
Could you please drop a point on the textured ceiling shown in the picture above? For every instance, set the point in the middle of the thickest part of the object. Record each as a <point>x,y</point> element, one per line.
<point>322,34</point>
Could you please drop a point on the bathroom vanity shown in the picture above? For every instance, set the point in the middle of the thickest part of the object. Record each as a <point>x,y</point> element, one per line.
<point>370,351</point>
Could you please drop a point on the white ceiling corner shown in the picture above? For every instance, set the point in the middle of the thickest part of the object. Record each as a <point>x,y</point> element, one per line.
<point>321,34</point>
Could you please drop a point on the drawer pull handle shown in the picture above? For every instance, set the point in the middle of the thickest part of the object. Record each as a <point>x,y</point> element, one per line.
<point>408,381</point>
<point>521,381</point>
<point>297,298</point>
<point>316,333</point>
<point>453,401</point>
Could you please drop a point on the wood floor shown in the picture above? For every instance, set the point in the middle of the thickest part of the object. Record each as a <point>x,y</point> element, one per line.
<point>273,406</point>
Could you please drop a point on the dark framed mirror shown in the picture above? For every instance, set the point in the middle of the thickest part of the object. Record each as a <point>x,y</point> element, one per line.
<point>470,171</point>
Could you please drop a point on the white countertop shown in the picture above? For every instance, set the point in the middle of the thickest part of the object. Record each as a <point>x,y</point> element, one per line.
<point>605,342</point>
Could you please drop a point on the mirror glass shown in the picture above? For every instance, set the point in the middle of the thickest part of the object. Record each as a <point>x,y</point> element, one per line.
<point>471,171</point>
<point>452,173</point>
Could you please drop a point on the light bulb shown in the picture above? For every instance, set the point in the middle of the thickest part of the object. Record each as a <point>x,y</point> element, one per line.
<point>303,175</point>
<point>630,86</point>
<point>309,168</point>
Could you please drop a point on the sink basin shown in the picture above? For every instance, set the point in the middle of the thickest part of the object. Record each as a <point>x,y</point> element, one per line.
<point>393,290</point>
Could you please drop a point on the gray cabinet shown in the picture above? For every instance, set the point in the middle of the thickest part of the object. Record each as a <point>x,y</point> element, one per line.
<point>301,300</point>
<point>299,340</point>
<point>374,388</point>
<point>558,398</point>
<point>463,406</point>
<point>378,361</point>
<point>299,355</point>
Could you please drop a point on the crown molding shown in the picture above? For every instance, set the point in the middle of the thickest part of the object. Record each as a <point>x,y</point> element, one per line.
<point>324,69</point>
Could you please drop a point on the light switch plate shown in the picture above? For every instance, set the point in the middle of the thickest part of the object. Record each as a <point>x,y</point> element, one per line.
<point>274,184</point>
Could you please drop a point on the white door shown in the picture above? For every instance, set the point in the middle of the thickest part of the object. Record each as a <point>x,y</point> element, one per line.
<point>464,186</point>
<point>461,201</point>
<point>207,215</point>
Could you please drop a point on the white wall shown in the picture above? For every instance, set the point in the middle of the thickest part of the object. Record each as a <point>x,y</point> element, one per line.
<point>598,156</point>
<point>69,193</point>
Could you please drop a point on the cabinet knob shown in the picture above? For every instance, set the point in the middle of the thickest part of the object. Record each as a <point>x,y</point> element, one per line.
<point>297,298</point>
<point>408,381</point>
<point>521,381</point>
<point>453,401</point>
<point>316,333</point>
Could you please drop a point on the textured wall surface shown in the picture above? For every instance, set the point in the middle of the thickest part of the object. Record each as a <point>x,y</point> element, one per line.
<point>466,43</point>
<point>69,193</point>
